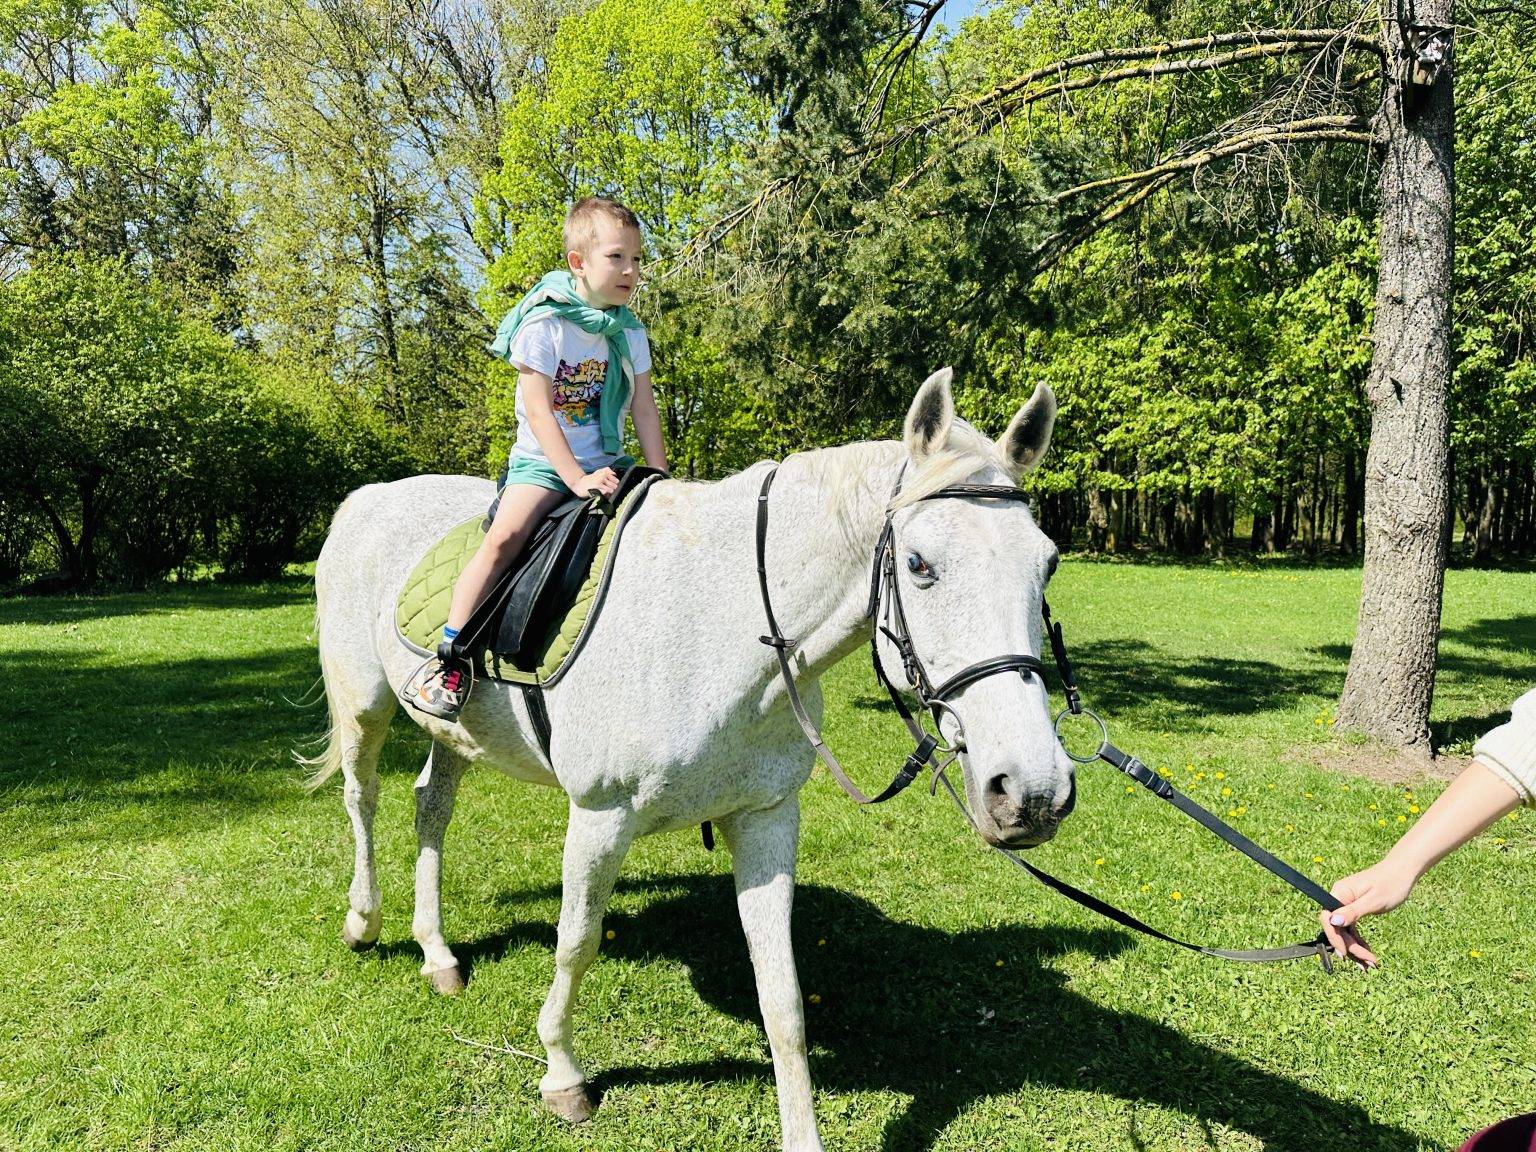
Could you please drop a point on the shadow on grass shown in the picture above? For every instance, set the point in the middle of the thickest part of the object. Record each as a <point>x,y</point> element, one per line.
<point>903,1010</point>
<point>200,597</point>
<point>138,751</point>
<point>1123,675</point>
<point>1494,646</point>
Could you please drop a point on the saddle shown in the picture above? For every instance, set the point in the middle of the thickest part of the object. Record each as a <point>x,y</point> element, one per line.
<point>537,614</point>
<point>532,596</point>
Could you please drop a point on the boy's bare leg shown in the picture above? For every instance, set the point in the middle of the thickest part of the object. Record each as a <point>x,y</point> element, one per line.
<point>522,507</point>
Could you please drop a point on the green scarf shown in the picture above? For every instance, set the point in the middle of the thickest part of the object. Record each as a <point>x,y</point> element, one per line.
<point>555,295</point>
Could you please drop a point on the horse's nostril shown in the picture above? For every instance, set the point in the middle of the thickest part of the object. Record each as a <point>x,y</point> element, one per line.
<point>1071,801</point>
<point>997,787</point>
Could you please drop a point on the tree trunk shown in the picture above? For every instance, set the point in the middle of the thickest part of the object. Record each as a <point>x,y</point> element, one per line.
<point>1391,676</point>
<point>1352,500</point>
<point>1098,520</point>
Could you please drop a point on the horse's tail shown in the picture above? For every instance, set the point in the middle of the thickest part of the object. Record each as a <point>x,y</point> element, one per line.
<point>341,724</point>
<point>327,762</point>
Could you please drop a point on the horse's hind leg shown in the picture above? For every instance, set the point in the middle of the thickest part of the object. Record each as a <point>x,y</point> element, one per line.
<point>436,788</point>
<point>361,708</point>
<point>595,844</point>
<point>360,793</point>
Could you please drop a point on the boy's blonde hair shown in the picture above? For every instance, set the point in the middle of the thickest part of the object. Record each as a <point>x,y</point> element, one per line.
<point>581,221</point>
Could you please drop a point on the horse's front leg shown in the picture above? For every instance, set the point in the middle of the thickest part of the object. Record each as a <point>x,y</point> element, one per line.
<point>763,846</point>
<point>595,844</point>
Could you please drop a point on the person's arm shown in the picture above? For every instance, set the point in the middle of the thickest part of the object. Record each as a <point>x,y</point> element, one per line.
<point>648,422</point>
<point>1474,800</point>
<point>539,402</point>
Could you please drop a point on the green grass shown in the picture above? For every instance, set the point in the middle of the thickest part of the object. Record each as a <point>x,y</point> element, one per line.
<point>173,898</point>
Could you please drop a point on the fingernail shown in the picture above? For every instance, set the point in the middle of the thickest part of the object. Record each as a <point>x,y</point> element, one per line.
<point>1336,921</point>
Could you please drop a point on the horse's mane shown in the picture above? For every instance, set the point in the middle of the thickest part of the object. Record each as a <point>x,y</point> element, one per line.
<point>964,454</point>
<point>859,467</point>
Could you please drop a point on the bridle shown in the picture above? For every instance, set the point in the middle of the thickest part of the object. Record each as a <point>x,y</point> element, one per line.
<point>888,618</point>
<point>885,593</point>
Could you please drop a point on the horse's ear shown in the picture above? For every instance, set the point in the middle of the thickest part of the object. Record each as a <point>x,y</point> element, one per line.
<point>1029,435</point>
<point>931,414</point>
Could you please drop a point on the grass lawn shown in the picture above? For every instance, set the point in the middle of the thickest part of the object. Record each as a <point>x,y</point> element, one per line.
<point>173,898</point>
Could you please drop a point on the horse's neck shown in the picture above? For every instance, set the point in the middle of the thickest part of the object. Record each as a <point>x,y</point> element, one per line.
<point>825,514</point>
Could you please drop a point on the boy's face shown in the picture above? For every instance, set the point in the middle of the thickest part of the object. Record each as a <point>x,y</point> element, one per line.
<point>609,270</point>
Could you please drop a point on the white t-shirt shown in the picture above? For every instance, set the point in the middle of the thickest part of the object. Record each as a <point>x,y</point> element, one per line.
<point>577,362</point>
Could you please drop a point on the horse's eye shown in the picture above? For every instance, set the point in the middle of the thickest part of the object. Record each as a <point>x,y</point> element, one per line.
<point>918,566</point>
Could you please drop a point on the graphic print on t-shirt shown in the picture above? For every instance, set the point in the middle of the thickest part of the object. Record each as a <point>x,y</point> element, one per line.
<point>578,389</point>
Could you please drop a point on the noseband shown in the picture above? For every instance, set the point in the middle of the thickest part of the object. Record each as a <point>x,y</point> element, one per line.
<point>887,618</point>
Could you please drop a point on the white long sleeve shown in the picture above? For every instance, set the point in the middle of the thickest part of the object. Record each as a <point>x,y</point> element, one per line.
<point>1509,750</point>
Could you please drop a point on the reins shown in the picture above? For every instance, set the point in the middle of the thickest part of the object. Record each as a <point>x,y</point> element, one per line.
<point>930,750</point>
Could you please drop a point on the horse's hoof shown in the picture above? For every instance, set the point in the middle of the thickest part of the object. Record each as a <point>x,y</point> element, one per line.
<point>573,1105</point>
<point>447,981</point>
<point>354,943</point>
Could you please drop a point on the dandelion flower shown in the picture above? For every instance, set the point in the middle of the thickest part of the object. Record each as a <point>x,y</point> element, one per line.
<point>1413,807</point>
<point>1175,895</point>
<point>1099,863</point>
<point>1370,807</point>
<point>822,943</point>
<point>1226,791</point>
<point>1221,775</point>
<point>1308,795</point>
<point>1474,953</point>
<point>999,963</point>
<point>1146,887</point>
<point>1381,823</point>
<point>1290,827</point>
<point>1317,859</point>
<point>1130,787</point>
<point>1401,819</point>
<point>610,934</point>
<point>815,997</point>
<point>1499,840</point>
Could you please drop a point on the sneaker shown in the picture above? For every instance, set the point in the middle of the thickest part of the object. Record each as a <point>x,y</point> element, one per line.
<point>439,688</point>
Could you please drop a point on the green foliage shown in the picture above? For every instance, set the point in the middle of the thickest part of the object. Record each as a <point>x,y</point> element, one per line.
<point>148,442</point>
<point>103,119</point>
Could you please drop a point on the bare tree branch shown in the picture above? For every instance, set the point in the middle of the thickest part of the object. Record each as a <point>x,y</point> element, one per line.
<point>980,113</point>
<point>1352,129</point>
<point>1007,99</point>
<point>1143,184</point>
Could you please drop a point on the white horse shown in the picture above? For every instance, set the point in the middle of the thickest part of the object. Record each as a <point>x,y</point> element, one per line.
<point>675,712</point>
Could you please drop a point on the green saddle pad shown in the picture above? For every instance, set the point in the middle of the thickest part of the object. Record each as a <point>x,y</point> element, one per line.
<point>421,610</point>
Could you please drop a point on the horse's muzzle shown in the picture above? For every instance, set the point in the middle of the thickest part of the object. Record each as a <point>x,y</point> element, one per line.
<point>1026,822</point>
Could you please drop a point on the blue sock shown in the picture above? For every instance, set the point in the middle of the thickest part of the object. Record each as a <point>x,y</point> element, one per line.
<point>450,633</point>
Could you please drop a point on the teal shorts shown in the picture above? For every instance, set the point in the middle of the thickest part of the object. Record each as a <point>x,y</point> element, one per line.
<point>542,474</point>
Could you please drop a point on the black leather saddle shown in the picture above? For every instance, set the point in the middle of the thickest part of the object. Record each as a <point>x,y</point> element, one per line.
<point>532,596</point>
